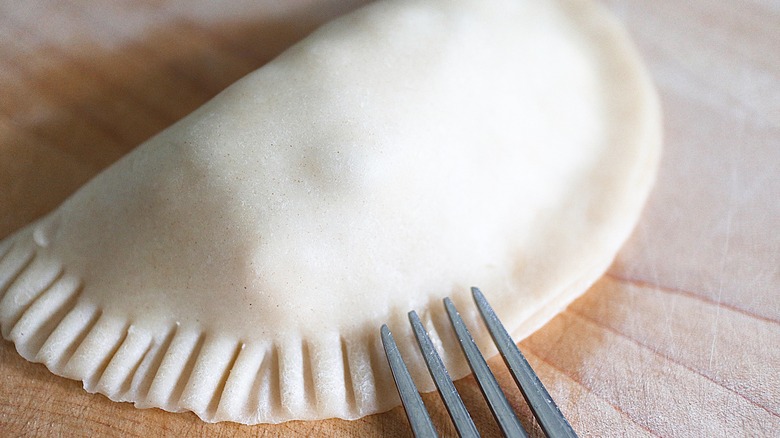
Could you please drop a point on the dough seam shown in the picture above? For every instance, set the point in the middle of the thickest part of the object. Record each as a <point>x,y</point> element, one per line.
<point>135,367</point>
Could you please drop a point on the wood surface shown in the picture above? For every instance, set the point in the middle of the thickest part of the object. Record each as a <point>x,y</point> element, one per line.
<point>680,338</point>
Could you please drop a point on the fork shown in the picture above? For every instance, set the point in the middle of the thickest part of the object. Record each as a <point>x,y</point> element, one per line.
<point>550,419</point>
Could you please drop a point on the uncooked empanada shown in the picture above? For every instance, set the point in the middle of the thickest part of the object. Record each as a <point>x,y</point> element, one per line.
<point>240,263</point>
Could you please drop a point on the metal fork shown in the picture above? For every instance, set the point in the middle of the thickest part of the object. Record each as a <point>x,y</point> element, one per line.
<point>548,415</point>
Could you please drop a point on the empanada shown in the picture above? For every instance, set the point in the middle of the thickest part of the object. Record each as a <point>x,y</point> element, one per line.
<point>240,263</point>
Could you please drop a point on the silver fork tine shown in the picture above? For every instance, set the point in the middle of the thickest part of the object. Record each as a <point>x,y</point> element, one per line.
<point>552,422</point>
<point>418,416</point>
<point>452,401</point>
<point>496,399</point>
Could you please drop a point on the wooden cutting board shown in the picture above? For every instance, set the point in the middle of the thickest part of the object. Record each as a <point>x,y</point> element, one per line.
<point>680,338</point>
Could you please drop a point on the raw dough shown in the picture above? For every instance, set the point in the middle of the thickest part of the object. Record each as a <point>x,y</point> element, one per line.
<point>240,263</point>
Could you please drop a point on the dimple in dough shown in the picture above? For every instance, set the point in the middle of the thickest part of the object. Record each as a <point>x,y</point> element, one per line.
<point>240,263</point>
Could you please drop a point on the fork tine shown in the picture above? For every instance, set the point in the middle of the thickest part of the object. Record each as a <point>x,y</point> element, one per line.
<point>496,399</point>
<point>552,422</point>
<point>452,401</point>
<point>418,416</point>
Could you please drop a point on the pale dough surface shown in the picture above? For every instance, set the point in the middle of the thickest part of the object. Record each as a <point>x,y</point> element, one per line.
<point>239,264</point>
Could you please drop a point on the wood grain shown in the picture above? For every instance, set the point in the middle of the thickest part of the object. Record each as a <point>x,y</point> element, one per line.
<point>680,338</point>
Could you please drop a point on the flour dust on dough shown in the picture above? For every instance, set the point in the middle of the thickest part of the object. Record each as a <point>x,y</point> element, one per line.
<point>239,264</point>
